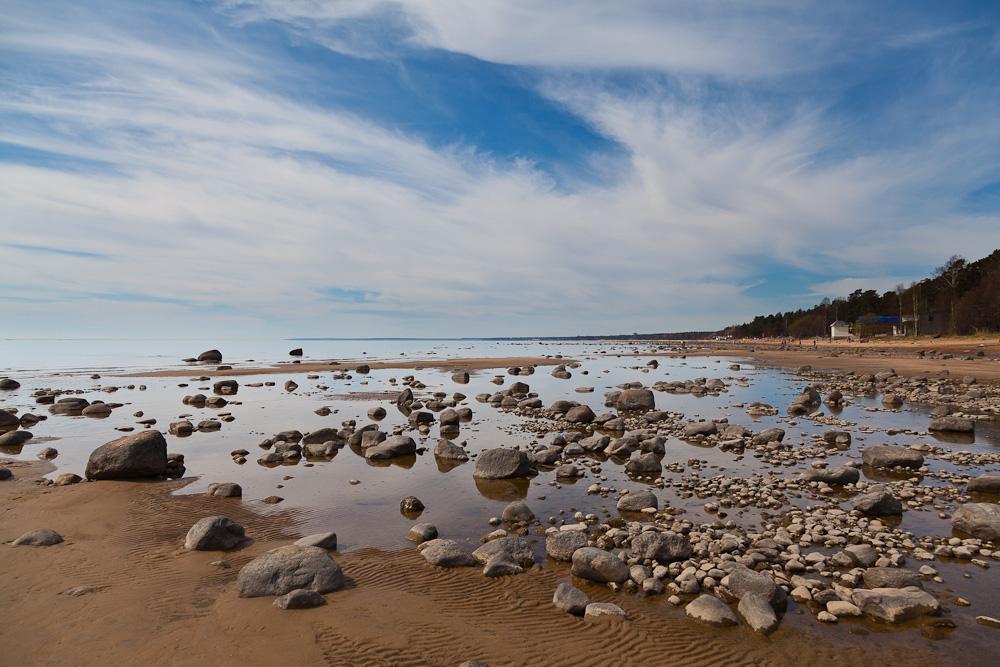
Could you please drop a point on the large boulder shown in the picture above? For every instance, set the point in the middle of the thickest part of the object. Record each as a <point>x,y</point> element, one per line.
<point>757,612</point>
<point>581,414</point>
<point>645,463</point>
<point>287,568</point>
<point>636,400</point>
<point>449,451</point>
<point>700,428</point>
<point>877,501</point>
<point>210,355</point>
<point>891,577</point>
<point>768,435</point>
<point>981,484</point>
<point>14,438</point>
<point>661,547</point>
<point>447,553</point>
<point>9,420</point>
<point>502,463</point>
<point>895,605</point>
<point>953,425</point>
<point>561,545</point>
<point>71,405</point>
<point>598,565</point>
<point>397,445</point>
<point>980,520</point>
<point>214,533</point>
<point>884,456</point>
<point>570,599</point>
<point>143,454</point>
<point>319,436</point>
<point>517,510</point>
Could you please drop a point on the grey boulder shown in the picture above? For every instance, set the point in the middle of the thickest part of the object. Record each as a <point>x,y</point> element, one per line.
<point>570,599</point>
<point>502,463</point>
<point>980,520</point>
<point>45,537</point>
<point>300,598</point>
<point>884,456</point>
<point>756,611</point>
<point>637,501</point>
<point>214,533</point>
<point>515,545</point>
<point>326,541</point>
<point>661,547</point>
<point>598,565</point>
<point>895,605</point>
<point>143,454</point>
<point>877,501</point>
<point>561,545</point>
<point>709,610</point>
<point>287,568</point>
<point>447,553</point>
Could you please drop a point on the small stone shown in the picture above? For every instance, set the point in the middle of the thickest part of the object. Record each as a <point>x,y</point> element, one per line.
<point>44,537</point>
<point>300,598</point>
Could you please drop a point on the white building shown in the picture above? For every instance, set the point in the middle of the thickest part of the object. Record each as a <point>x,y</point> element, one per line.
<point>840,330</point>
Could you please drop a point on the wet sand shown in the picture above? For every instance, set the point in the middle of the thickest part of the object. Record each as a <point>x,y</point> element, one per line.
<point>157,604</point>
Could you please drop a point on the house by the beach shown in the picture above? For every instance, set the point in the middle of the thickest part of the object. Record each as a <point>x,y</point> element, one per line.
<point>840,330</point>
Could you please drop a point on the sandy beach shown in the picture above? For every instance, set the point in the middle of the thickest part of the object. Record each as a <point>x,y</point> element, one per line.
<point>154,602</point>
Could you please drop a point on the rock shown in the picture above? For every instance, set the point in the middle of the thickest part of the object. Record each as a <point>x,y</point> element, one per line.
<point>48,453</point>
<point>561,545</point>
<point>327,541</point>
<point>291,385</point>
<point>840,476</point>
<point>363,369</point>
<point>980,520</point>
<point>68,478</point>
<point>377,413</point>
<point>636,400</point>
<point>422,532</point>
<point>709,610</point>
<point>953,425</point>
<point>502,463</point>
<point>397,445</point>
<point>411,504</point>
<point>598,565</point>
<point>70,405</point>
<point>300,598</point>
<point>501,565</point>
<point>181,428</point>
<point>447,553</point>
<point>226,387</point>
<point>599,609</point>
<point>5,473</point>
<point>211,355</point>
<point>9,420</point>
<point>661,547</point>
<point>287,568</point>
<point>984,484</point>
<point>404,397</point>
<point>321,436</point>
<point>842,609</point>
<point>768,435</point>
<point>570,599</point>
<point>77,591</point>
<point>141,455</point>
<point>517,510</point>
<point>700,428</point>
<point>225,490</point>
<point>884,456</point>
<point>515,545</point>
<point>892,400</point>
<point>890,577</point>
<point>743,580</point>
<point>877,501</point>
<point>44,537</point>
<point>214,533</point>
<point>323,451</point>
<point>644,463</point>
<point>8,383</point>
<point>863,555</point>
<point>297,352</point>
<point>756,611</point>
<point>96,410</point>
<point>637,501</point>
<point>14,438</point>
<point>447,450</point>
<point>895,605</point>
<point>581,414</point>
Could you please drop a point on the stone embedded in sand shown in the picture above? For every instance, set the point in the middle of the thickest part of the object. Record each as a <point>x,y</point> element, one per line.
<point>895,605</point>
<point>842,475</point>
<point>570,599</point>
<point>502,463</point>
<point>515,545</point>
<point>141,455</point>
<point>980,520</point>
<point>225,490</point>
<point>636,400</point>
<point>447,553</point>
<point>661,547</point>
<point>214,533</point>
<point>210,355</point>
<point>300,598</point>
<point>326,541</point>
<point>45,537</point>
<point>68,478</point>
<point>287,568</point>
<point>598,565</point>
<point>953,425</point>
<point>5,473</point>
<point>637,501</point>
<point>562,544</point>
<point>599,609</point>
<point>710,610</point>
<point>884,456</point>
<point>502,564</point>
<point>877,501</point>
<point>756,612</point>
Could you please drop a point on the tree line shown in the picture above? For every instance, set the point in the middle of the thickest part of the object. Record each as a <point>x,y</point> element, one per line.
<point>959,297</point>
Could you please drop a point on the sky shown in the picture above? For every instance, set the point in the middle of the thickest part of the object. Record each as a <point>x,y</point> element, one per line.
<point>435,168</point>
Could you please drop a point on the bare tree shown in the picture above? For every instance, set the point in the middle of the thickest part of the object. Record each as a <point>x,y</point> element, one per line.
<point>900,291</point>
<point>949,273</point>
<point>915,296</point>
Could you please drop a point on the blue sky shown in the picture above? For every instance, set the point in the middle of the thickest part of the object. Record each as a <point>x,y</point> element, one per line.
<point>443,168</point>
